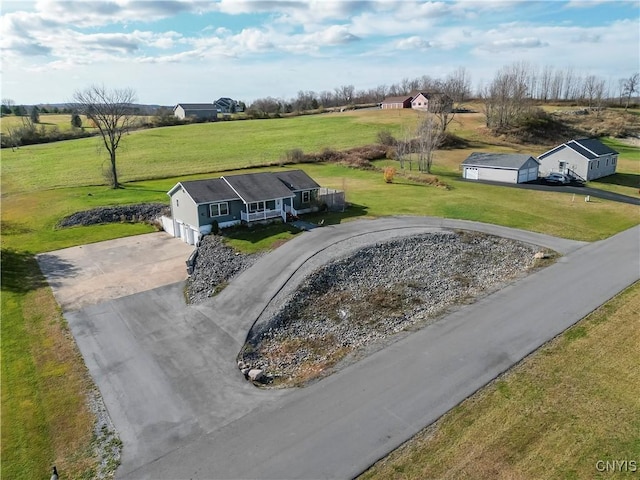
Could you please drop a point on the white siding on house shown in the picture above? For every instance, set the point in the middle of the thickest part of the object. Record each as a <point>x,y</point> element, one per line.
<point>565,159</point>
<point>601,167</point>
<point>179,112</point>
<point>562,160</point>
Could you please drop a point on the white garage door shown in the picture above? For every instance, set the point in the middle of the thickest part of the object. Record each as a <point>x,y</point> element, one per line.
<point>471,173</point>
<point>533,174</point>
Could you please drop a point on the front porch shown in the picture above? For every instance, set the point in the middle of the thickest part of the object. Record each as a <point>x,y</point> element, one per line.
<point>262,215</point>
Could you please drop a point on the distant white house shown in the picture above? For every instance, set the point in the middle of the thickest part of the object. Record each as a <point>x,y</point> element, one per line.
<point>203,111</point>
<point>500,167</point>
<point>585,159</point>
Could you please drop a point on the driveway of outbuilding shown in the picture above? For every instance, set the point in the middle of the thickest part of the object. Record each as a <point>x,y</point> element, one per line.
<point>97,272</point>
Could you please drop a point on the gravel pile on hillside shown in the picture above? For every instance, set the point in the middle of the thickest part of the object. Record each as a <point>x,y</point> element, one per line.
<point>370,296</point>
<point>215,265</point>
<point>142,212</point>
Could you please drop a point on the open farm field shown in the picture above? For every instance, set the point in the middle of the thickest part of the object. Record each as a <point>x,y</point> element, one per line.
<point>62,121</point>
<point>41,184</point>
<point>182,150</point>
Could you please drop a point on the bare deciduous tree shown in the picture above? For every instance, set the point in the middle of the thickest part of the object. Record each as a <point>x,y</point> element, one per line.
<point>111,111</point>
<point>630,86</point>
<point>507,98</point>
<point>403,148</point>
<point>429,135</point>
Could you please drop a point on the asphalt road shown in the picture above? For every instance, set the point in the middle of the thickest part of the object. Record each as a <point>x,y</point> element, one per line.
<point>168,377</point>
<point>580,191</point>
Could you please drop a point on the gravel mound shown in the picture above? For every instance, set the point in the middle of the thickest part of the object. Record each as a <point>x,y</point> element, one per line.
<point>215,265</point>
<point>373,295</point>
<point>142,212</point>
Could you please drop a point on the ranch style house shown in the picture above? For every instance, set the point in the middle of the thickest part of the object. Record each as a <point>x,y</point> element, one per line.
<point>235,199</point>
<point>583,159</point>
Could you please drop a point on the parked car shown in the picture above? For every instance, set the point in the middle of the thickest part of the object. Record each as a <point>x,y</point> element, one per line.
<point>557,179</point>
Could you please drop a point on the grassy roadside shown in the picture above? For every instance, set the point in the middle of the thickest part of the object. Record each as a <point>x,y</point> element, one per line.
<point>564,408</point>
<point>45,417</point>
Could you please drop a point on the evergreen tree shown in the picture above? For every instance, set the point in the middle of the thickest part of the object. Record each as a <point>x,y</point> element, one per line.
<point>34,114</point>
<point>76,121</point>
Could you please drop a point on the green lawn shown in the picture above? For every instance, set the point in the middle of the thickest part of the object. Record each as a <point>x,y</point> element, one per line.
<point>41,184</point>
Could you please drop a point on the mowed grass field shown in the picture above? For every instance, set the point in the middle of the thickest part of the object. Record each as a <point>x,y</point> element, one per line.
<point>41,184</point>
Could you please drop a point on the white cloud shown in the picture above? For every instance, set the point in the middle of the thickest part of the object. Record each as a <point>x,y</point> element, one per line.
<point>512,43</point>
<point>412,43</point>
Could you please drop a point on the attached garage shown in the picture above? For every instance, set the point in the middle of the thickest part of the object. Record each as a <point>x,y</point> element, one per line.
<point>500,167</point>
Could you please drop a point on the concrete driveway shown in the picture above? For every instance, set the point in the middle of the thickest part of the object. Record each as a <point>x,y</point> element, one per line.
<point>97,272</point>
<point>168,377</point>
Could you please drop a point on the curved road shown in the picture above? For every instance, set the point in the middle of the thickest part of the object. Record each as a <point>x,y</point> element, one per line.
<point>168,377</point>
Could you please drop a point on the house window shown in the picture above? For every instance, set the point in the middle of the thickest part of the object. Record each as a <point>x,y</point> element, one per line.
<point>219,209</point>
<point>256,207</point>
<point>306,197</point>
<point>607,162</point>
<point>613,161</point>
<point>591,165</point>
<point>598,163</point>
<point>177,202</point>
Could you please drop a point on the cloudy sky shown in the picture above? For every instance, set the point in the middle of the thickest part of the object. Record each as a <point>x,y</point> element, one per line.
<point>197,51</point>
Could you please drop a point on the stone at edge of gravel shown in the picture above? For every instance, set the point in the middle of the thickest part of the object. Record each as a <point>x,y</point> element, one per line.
<point>216,264</point>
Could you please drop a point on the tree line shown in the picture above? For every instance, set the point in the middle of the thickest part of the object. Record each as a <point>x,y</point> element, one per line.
<point>546,84</point>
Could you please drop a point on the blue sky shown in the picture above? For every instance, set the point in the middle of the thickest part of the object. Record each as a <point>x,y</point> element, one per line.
<point>197,51</point>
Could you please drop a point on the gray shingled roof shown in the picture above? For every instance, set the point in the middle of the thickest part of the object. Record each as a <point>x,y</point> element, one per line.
<point>594,145</point>
<point>589,148</point>
<point>249,187</point>
<point>255,187</point>
<point>210,190</point>
<point>297,180</point>
<point>511,161</point>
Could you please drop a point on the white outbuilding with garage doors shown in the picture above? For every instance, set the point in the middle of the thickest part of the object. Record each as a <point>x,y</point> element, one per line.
<point>500,167</point>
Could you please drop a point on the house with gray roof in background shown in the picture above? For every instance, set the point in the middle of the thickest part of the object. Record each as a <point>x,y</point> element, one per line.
<point>227,105</point>
<point>234,199</point>
<point>500,167</point>
<point>200,111</point>
<point>583,159</point>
